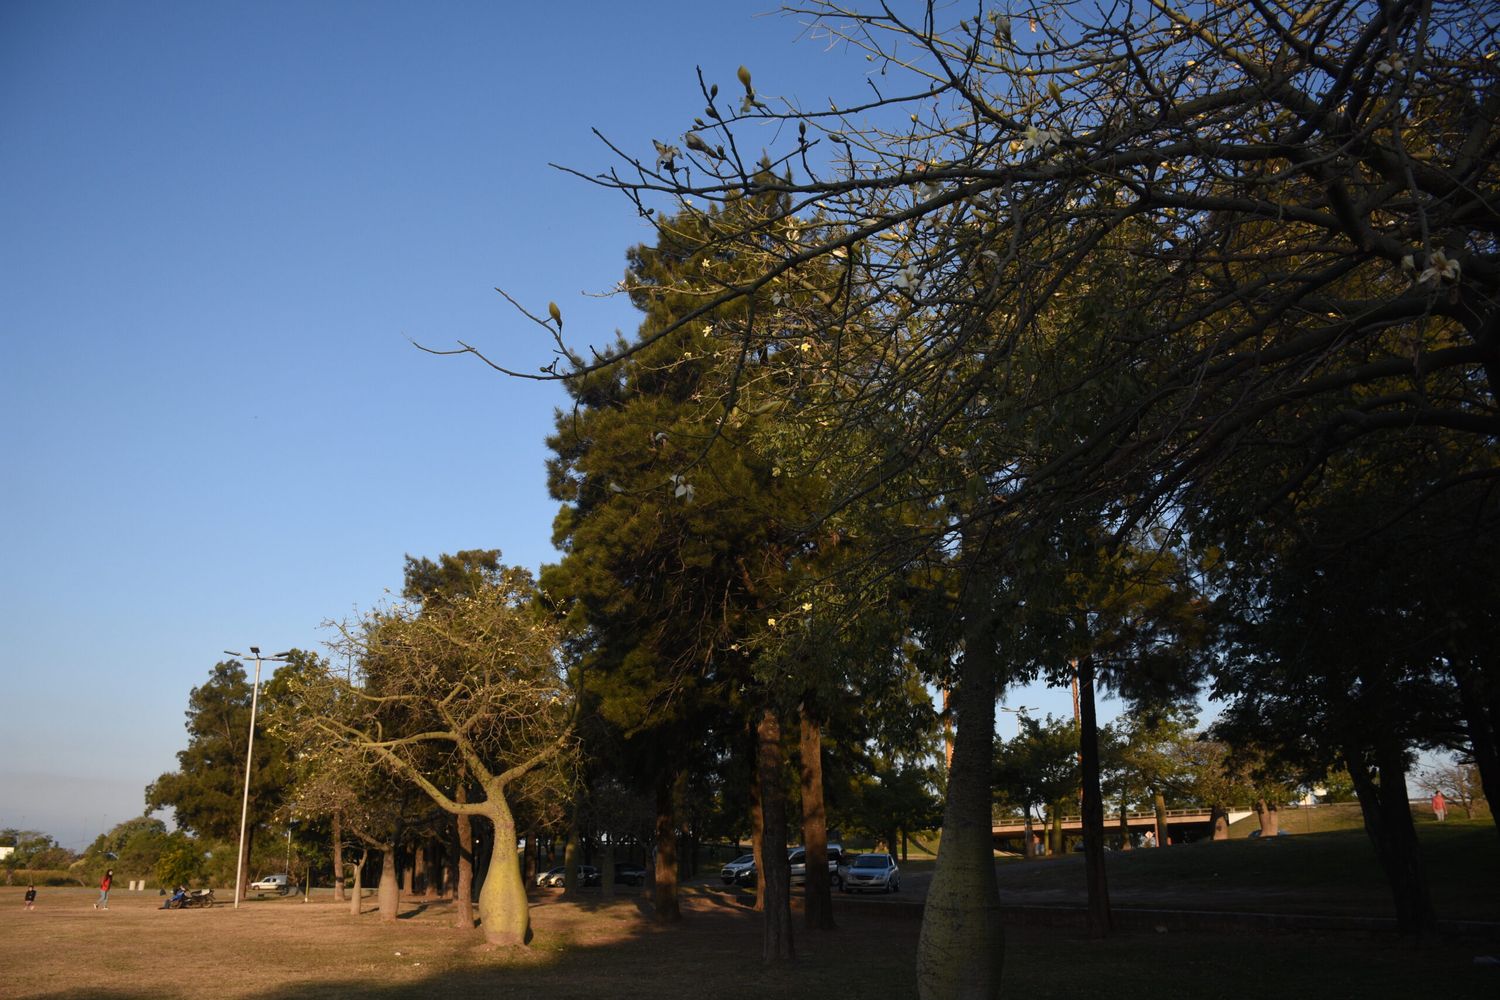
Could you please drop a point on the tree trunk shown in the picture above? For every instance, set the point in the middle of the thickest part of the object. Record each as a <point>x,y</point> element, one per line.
<point>419,868</point>
<point>338,858</point>
<point>1159,802</point>
<point>389,892</point>
<point>357,900</point>
<point>774,874</point>
<point>1387,815</point>
<point>1093,803</point>
<point>607,869</point>
<point>463,884</point>
<point>1219,820</point>
<point>818,905</point>
<point>664,882</point>
<point>571,860</point>
<point>757,834</point>
<point>1125,844</point>
<point>961,950</point>
<point>504,912</point>
<point>1479,699</point>
<point>1267,814</point>
<point>1056,847</point>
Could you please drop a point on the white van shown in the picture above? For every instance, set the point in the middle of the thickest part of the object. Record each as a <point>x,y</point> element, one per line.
<point>279,884</point>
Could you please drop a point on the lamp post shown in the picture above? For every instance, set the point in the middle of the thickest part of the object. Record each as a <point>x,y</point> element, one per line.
<point>1020,713</point>
<point>239,864</point>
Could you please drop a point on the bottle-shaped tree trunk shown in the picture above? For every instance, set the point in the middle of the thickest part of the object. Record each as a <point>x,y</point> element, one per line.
<point>960,953</point>
<point>389,891</point>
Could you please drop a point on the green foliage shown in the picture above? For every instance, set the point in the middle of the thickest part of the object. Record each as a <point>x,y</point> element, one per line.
<point>131,849</point>
<point>1039,765</point>
<point>205,793</point>
<point>33,849</point>
<point>181,862</point>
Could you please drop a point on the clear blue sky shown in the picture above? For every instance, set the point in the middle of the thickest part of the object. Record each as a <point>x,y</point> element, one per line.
<point>220,226</point>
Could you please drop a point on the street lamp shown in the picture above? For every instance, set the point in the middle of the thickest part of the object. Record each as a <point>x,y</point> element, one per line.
<point>239,864</point>
<point>1020,713</point>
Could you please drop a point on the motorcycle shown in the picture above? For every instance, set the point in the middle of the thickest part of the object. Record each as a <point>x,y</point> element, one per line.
<point>195,898</point>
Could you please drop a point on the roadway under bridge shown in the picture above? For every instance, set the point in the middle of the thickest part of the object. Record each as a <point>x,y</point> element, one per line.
<point>1183,826</point>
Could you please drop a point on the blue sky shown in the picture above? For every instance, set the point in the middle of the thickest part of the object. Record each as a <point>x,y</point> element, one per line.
<point>221,225</point>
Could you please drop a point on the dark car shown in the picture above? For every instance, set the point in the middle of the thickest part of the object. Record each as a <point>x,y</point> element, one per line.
<point>630,874</point>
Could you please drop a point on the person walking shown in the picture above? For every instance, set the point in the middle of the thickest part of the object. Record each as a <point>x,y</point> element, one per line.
<point>104,884</point>
<point>1439,806</point>
<point>31,897</point>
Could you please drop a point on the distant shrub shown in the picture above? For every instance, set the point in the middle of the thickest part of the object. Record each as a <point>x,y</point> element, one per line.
<point>43,876</point>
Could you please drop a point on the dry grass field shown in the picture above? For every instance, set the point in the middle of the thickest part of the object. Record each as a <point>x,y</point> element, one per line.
<point>284,949</point>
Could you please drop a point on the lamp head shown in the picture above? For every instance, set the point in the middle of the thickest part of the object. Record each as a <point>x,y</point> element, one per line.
<point>255,650</point>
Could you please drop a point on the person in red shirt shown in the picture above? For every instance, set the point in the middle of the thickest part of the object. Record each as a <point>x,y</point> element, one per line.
<point>1439,807</point>
<point>104,884</point>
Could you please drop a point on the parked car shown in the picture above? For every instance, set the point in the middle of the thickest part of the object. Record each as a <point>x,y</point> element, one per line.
<point>871,871</point>
<point>279,884</point>
<point>797,858</point>
<point>630,874</point>
<point>796,863</point>
<point>731,872</point>
<point>587,875</point>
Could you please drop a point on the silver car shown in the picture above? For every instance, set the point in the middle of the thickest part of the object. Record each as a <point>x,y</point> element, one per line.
<point>871,871</point>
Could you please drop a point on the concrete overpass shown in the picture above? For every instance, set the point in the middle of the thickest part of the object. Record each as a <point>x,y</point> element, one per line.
<point>1182,825</point>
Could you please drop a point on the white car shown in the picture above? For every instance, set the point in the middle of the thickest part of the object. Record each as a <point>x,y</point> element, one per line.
<point>739,866</point>
<point>281,884</point>
<point>871,871</point>
<point>587,875</point>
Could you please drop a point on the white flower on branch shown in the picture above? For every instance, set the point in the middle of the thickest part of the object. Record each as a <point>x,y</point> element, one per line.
<point>907,278</point>
<point>1391,64</point>
<point>1439,269</point>
<point>666,155</point>
<point>682,489</point>
<point>1039,138</point>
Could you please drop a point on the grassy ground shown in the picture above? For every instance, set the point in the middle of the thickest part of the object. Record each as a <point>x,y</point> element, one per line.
<point>1332,872</point>
<point>287,950</point>
<point>284,949</point>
